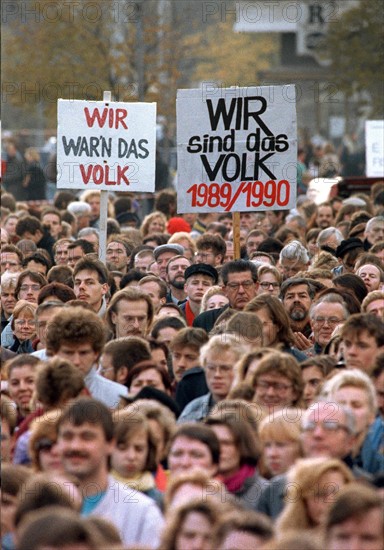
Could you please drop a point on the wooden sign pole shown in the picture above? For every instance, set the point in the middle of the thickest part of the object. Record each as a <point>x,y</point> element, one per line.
<point>236,235</point>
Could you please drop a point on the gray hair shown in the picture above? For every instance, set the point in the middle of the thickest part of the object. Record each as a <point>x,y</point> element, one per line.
<point>350,419</point>
<point>79,208</point>
<point>330,299</point>
<point>86,231</point>
<point>351,377</point>
<point>325,234</point>
<point>295,251</point>
<point>373,221</point>
<point>296,218</point>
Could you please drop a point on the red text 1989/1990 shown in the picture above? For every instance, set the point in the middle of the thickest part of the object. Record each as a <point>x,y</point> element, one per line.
<point>269,194</point>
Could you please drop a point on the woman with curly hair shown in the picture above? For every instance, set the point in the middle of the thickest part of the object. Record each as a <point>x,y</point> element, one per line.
<point>153,223</point>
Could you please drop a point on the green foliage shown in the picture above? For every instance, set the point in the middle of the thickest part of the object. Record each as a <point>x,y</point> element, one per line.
<point>355,44</point>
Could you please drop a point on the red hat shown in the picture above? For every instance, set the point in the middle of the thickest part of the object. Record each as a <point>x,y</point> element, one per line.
<point>175,225</point>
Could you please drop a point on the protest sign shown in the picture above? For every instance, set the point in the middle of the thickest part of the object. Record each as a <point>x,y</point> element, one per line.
<point>237,149</point>
<point>106,145</point>
<point>374,148</point>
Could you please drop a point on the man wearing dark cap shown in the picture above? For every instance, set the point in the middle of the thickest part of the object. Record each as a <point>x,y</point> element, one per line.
<point>163,254</point>
<point>198,278</point>
<point>347,252</point>
<point>128,219</point>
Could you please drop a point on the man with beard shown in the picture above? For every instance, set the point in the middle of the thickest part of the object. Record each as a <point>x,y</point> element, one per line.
<point>297,295</point>
<point>163,254</point>
<point>175,278</point>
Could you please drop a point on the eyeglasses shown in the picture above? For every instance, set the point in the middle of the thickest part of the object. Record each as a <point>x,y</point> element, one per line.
<point>223,369</point>
<point>327,425</point>
<point>44,445</point>
<point>277,386</point>
<point>21,322</point>
<point>267,285</point>
<point>236,286</point>
<point>25,288</point>
<point>329,320</point>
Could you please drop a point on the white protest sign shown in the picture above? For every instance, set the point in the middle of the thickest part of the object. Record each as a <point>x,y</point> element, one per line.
<point>374,148</point>
<point>237,149</point>
<point>106,145</point>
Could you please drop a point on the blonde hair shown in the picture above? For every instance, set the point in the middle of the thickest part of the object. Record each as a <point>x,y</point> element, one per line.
<point>282,425</point>
<point>219,344</point>
<point>200,478</point>
<point>33,154</point>
<point>144,228</point>
<point>180,236</point>
<point>212,291</point>
<point>355,378</point>
<point>303,481</point>
<point>371,297</point>
<point>43,427</point>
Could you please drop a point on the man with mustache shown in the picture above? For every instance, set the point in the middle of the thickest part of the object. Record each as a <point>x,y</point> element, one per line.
<point>175,278</point>
<point>297,294</point>
<point>85,443</point>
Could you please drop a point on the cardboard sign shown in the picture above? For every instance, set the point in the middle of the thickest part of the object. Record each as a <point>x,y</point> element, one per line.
<point>374,148</point>
<point>105,145</point>
<point>237,149</point>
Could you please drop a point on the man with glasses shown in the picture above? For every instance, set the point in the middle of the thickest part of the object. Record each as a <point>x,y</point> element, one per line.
<point>211,249</point>
<point>328,430</point>
<point>217,357</point>
<point>293,258</point>
<point>239,285</point>
<point>325,316</point>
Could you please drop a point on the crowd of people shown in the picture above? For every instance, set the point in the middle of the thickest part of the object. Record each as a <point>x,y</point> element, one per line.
<point>175,398</point>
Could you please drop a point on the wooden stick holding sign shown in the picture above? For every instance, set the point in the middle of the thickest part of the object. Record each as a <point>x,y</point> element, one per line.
<point>107,97</point>
<point>236,235</point>
<point>108,146</point>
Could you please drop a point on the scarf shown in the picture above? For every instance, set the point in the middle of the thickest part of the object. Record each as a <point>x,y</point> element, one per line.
<point>236,481</point>
<point>141,482</point>
<point>189,315</point>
